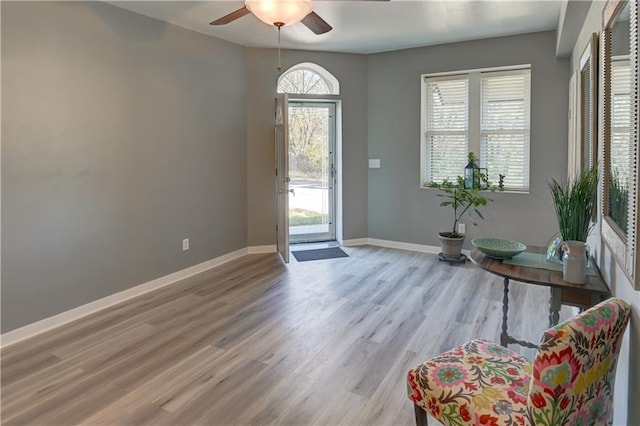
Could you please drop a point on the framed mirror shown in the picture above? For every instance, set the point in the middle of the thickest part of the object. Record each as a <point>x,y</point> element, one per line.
<point>619,132</point>
<point>588,105</point>
<point>583,116</point>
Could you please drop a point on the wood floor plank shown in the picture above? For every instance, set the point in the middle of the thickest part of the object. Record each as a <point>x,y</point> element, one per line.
<point>20,397</point>
<point>256,342</point>
<point>102,344</point>
<point>387,406</point>
<point>127,411</point>
<point>19,367</point>
<point>172,388</point>
<point>218,394</point>
<point>274,402</point>
<point>68,405</point>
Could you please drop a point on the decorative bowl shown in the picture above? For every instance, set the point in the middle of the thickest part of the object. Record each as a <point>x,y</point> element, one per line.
<point>498,248</point>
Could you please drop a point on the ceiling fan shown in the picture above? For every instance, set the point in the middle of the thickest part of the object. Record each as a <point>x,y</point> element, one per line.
<point>280,13</point>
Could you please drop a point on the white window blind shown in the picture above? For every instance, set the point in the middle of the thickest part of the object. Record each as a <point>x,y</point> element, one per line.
<point>620,118</point>
<point>504,126</point>
<point>446,127</point>
<point>487,112</point>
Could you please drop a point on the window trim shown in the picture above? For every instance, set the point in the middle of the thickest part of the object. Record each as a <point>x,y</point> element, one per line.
<point>330,80</point>
<point>474,131</point>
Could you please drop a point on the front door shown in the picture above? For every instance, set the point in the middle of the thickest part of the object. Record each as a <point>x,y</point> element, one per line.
<point>282,176</point>
<point>311,137</point>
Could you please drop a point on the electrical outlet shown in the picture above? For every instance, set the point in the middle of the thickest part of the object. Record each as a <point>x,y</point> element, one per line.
<point>462,228</point>
<point>185,244</point>
<point>374,163</point>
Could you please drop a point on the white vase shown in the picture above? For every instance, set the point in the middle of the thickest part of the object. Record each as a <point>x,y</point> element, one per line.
<point>574,262</point>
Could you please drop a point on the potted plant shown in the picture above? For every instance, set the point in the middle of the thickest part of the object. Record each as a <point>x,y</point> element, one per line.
<point>462,200</point>
<point>574,204</point>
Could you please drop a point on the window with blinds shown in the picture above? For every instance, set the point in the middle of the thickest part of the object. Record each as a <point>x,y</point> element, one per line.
<point>483,111</point>
<point>504,126</point>
<point>447,127</point>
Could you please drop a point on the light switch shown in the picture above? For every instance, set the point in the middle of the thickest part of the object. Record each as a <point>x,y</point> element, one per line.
<point>374,163</point>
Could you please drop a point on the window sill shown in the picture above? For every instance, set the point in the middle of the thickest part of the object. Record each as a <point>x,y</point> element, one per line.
<point>506,191</point>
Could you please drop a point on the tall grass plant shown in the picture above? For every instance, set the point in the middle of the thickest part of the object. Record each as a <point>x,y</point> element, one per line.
<point>574,204</point>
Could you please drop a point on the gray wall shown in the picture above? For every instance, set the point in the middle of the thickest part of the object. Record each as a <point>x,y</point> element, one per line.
<point>121,135</point>
<point>262,76</point>
<point>398,209</point>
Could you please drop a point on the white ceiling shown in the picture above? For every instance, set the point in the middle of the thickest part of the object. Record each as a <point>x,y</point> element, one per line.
<point>365,26</point>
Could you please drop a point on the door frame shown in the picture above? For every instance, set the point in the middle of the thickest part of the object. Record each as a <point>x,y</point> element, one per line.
<point>334,169</point>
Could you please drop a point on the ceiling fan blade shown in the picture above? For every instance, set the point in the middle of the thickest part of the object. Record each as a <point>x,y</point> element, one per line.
<point>315,23</point>
<point>231,17</point>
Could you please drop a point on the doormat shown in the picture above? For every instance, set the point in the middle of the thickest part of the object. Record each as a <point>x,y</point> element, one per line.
<point>318,254</point>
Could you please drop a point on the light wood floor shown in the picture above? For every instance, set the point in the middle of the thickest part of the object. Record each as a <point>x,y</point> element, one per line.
<point>256,342</point>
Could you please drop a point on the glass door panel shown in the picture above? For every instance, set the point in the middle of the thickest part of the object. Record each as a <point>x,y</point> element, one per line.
<point>312,171</point>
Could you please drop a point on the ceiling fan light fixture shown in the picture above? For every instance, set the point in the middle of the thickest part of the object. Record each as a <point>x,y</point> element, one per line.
<point>283,12</point>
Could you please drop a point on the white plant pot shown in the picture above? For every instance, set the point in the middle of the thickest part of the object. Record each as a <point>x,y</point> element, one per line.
<point>574,262</point>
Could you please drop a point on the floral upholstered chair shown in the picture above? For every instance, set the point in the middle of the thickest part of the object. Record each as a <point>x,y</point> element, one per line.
<point>570,381</point>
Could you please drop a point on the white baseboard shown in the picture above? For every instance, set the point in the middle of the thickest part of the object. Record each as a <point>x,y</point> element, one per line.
<point>62,318</point>
<point>262,249</point>
<point>423,248</point>
<point>355,242</point>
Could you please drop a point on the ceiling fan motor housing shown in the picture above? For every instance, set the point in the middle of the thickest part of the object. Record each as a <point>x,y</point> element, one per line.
<point>279,12</point>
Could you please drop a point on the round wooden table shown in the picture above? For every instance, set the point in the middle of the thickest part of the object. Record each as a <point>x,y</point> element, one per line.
<point>561,292</point>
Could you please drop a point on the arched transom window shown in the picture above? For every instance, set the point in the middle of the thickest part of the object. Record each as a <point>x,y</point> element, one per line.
<point>308,79</point>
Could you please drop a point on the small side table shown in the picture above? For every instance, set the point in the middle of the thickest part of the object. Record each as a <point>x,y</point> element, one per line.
<point>561,292</point>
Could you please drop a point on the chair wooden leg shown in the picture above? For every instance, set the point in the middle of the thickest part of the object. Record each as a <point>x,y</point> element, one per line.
<point>421,416</point>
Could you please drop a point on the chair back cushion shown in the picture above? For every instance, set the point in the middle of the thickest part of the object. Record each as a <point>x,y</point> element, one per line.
<point>574,369</point>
